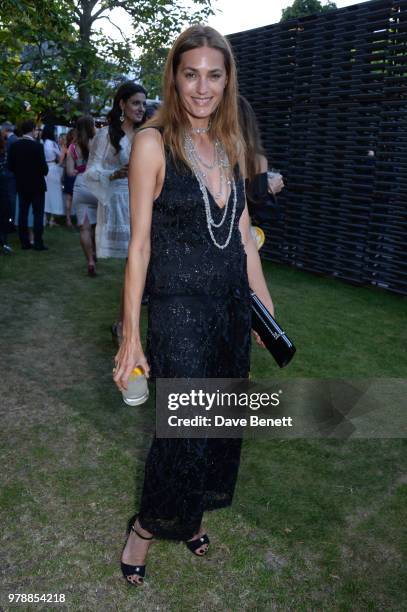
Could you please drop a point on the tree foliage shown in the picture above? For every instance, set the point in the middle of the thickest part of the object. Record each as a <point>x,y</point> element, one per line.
<point>55,55</point>
<point>151,68</point>
<point>303,8</point>
<point>31,35</point>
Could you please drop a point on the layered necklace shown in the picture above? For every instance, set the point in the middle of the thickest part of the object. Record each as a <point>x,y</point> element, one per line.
<point>199,167</point>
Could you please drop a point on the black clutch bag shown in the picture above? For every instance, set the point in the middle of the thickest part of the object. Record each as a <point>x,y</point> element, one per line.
<point>274,338</point>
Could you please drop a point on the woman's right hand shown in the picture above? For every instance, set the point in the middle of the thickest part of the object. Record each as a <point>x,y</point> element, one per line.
<point>129,356</point>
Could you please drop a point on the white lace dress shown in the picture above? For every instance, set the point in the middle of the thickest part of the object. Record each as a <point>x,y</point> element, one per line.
<point>113,219</point>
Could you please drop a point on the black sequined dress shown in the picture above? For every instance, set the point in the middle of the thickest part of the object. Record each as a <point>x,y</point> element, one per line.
<point>198,327</point>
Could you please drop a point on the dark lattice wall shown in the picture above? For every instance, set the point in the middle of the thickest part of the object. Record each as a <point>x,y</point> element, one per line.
<point>327,89</point>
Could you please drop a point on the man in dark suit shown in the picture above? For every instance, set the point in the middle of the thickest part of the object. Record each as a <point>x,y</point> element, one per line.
<point>26,160</point>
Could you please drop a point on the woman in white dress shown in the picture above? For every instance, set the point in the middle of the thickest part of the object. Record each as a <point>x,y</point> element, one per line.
<point>107,170</point>
<point>54,202</point>
<point>84,201</point>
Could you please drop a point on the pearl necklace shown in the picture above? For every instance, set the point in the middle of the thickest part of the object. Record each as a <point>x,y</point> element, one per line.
<point>222,162</point>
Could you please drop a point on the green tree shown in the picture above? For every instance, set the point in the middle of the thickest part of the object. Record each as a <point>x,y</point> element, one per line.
<point>55,54</point>
<point>151,66</point>
<point>29,69</point>
<point>302,8</point>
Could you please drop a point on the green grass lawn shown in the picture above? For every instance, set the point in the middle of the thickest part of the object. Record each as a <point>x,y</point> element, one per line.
<point>315,525</point>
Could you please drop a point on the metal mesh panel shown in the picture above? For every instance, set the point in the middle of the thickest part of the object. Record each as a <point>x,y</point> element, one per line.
<point>327,89</point>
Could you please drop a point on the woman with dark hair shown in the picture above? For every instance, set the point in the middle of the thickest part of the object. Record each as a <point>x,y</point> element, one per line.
<point>191,243</point>
<point>260,189</point>
<point>54,202</point>
<point>106,174</point>
<point>84,201</point>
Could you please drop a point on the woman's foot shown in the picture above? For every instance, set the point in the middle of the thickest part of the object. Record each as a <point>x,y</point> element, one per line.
<point>135,553</point>
<point>199,543</point>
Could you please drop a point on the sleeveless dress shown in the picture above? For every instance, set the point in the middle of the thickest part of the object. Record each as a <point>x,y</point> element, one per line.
<point>199,324</point>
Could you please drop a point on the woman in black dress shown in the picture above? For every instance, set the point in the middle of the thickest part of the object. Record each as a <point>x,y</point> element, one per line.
<point>191,243</point>
<point>261,189</point>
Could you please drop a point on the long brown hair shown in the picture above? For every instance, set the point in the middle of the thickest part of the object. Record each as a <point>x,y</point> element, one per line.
<point>85,131</point>
<point>173,118</point>
<point>251,135</point>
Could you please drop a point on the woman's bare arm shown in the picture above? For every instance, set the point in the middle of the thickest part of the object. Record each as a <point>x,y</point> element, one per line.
<point>261,164</point>
<point>70,165</point>
<point>255,274</point>
<point>145,169</point>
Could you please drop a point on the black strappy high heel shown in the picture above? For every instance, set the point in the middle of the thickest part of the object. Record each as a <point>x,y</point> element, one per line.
<point>193,545</point>
<point>131,570</point>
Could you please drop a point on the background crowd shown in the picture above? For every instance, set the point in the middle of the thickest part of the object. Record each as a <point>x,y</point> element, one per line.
<point>49,177</point>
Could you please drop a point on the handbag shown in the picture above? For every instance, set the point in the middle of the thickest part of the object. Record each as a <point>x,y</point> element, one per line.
<point>271,334</point>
